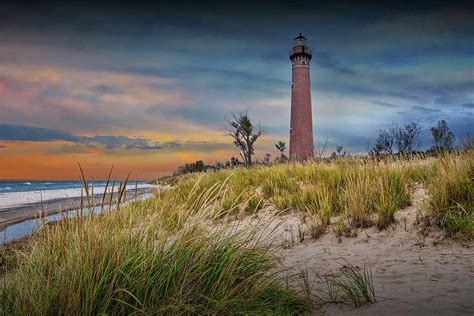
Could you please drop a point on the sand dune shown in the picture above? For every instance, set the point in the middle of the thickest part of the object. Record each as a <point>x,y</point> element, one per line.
<point>416,271</point>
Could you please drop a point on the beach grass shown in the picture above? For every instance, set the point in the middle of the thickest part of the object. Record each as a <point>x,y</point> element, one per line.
<point>362,191</point>
<point>171,254</point>
<point>450,186</point>
<point>89,265</point>
<point>365,192</point>
<point>356,285</point>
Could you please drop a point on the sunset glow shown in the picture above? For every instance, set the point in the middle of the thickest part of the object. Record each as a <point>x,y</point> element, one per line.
<point>130,87</point>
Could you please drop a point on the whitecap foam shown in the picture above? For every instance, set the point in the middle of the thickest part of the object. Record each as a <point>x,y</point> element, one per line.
<point>10,199</point>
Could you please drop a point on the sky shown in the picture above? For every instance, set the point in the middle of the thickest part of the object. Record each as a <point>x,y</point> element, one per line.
<point>147,88</point>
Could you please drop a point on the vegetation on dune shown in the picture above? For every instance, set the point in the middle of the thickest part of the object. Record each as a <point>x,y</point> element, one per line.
<point>356,192</point>
<point>98,271</point>
<point>356,286</point>
<point>122,263</point>
<point>167,254</point>
<point>397,139</point>
<point>363,191</point>
<point>450,185</point>
<point>443,138</point>
<point>170,255</point>
<point>244,135</point>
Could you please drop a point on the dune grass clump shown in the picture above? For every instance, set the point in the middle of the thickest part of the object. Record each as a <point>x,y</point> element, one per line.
<point>392,193</point>
<point>316,226</point>
<point>282,201</point>
<point>341,228</point>
<point>349,285</point>
<point>450,188</point>
<point>373,194</point>
<point>93,266</point>
<point>158,256</point>
<point>355,285</point>
<point>357,198</point>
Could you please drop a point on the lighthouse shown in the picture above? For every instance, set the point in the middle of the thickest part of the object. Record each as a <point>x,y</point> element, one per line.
<point>301,125</point>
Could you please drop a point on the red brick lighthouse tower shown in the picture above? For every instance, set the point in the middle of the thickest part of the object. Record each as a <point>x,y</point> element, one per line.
<point>301,126</point>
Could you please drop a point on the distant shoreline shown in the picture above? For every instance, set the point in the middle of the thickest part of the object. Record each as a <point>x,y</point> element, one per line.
<point>18,214</point>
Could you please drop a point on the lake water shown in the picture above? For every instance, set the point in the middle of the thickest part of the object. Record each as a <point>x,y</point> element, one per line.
<point>7,186</point>
<point>22,229</point>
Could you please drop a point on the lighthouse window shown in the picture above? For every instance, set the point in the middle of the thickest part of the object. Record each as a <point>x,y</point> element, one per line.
<point>303,62</point>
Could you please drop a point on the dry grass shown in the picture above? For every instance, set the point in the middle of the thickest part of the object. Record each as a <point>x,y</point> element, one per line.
<point>126,262</point>
<point>363,191</point>
<point>450,186</point>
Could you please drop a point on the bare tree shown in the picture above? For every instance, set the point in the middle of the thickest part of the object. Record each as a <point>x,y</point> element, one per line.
<point>319,150</point>
<point>406,137</point>
<point>403,139</point>
<point>384,143</point>
<point>442,136</point>
<point>241,129</point>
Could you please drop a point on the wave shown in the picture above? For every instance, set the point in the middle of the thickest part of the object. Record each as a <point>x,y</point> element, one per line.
<point>6,188</point>
<point>27,183</point>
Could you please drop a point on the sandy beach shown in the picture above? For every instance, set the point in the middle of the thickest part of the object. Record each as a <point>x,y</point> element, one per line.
<point>16,207</point>
<point>415,271</point>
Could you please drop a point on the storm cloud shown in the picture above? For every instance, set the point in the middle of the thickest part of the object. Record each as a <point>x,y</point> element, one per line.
<point>118,72</point>
<point>10,132</point>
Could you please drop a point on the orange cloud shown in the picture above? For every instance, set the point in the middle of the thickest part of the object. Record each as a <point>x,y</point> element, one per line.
<point>51,160</point>
<point>47,74</point>
<point>58,160</point>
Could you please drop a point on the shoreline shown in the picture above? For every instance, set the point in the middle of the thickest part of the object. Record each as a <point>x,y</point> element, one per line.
<point>21,213</point>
